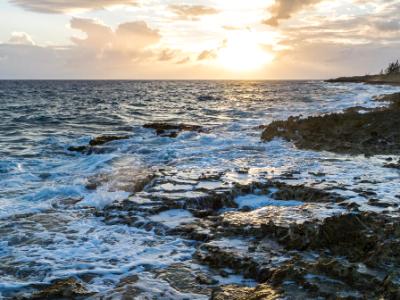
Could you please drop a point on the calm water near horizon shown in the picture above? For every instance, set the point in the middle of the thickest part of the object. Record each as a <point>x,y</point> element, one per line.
<point>40,120</point>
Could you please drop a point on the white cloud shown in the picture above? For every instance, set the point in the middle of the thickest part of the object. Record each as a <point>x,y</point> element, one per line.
<point>20,38</point>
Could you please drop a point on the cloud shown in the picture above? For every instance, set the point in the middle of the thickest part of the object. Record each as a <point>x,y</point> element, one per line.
<point>207,54</point>
<point>136,35</point>
<point>20,38</point>
<point>183,61</point>
<point>166,55</point>
<point>192,12</point>
<point>97,34</point>
<point>65,6</point>
<point>284,9</point>
<point>128,37</point>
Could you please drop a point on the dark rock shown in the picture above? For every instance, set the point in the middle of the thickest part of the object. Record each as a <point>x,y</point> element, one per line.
<point>371,133</point>
<point>172,130</point>
<point>101,140</point>
<point>81,149</point>
<point>63,289</point>
<point>97,141</point>
<point>235,292</point>
<point>186,280</point>
<point>206,98</point>
<point>370,79</point>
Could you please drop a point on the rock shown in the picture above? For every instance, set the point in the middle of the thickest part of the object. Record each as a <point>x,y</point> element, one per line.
<point>63,289</point>
<point>370,79</point>
<point>392,165</point>
<point>371,133</point>
<point>206,98</point>
<point>186,280</point>
<point>235,292</point>
<point>172,130</point>
<point>81,149</point>
<point>97,141</point>
<point>103,139</point>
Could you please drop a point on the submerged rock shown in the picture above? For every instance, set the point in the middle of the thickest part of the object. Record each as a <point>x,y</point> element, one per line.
<point>370,133</point>
<point>172,130</point>
<point>101,140</point>
<point>97,141</point>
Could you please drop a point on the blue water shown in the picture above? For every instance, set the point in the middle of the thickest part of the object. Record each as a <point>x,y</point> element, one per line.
<point>39,120</point>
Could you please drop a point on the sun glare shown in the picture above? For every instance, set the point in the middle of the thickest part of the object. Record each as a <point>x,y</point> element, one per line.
<point>243,53</point>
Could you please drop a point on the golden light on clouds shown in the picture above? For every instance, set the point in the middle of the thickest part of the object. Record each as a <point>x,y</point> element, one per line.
<point>242,52</point>
<point>197,39</point>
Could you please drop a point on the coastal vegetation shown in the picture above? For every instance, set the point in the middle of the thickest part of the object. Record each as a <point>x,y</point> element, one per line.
<point>390,75</point>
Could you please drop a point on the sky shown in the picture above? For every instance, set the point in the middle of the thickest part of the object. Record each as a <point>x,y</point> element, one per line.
<point>196,39</point>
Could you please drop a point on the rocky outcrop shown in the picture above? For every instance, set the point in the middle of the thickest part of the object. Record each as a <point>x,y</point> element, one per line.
<point>370,79</point>
<point>370,133</point>
<point>63,289</point>
<point>234,292</point>
<point>94,143</point>
<point>353,253</point>
<point>172,130</point>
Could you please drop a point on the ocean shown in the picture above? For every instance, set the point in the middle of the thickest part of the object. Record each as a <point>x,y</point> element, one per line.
<point>52,200</point>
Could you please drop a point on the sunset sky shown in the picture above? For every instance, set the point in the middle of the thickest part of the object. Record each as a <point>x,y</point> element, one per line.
<point>203,39</point>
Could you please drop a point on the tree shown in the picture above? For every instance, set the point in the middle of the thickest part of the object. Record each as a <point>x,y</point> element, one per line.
<point>393,68</point>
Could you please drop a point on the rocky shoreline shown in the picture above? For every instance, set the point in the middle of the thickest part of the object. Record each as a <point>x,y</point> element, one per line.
<point>355,131</point>
<point>392,79</point>
<point>292,241</point>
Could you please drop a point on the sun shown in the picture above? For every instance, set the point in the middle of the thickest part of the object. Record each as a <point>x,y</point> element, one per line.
<point>243,52</point>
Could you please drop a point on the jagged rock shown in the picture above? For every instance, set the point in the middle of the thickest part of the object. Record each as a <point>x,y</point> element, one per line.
<point>369,133</point>
<point>235,292</point>
<point>97,141</point>
<point>63,289</point>
<point>186,280</point>
<point>370,79</point>
<point>101,140</point>
<point>172,130</point>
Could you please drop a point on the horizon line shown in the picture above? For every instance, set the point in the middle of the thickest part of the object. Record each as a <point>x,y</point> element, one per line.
<point>150,79</point>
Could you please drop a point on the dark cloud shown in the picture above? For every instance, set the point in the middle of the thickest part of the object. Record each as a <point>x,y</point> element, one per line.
<point>284,9</point>
<point>62,6</point>
<point>192,11</point>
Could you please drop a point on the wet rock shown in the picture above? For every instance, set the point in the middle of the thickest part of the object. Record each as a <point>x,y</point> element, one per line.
<point>206,98</point>
<point>95,142</point>
<point>235,292</point>
<point>186,280</point>
<point>370,133</point>
<point>172,130</point>
<point>393,165</point>
<point>131,179</point>
<point>63,289</point>
<point>350,253</point>
<point>82,149</point>
<point>66,203</point>
<point>101,140</point>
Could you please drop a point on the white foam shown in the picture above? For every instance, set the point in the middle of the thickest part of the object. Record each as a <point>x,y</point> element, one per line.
<point>257,201</point>
<point>173,218</point>
<point>100,199</point>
